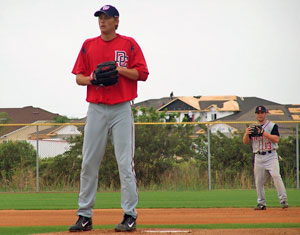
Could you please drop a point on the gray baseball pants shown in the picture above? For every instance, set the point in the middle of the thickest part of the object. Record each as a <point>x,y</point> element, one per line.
<point>270,163</point>
<point>103,121</point>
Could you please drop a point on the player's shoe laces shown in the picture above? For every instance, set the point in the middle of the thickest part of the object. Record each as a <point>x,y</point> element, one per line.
<point>284,205</point>
<point>82,224</point>
<point>127,225</point>
<point>260,207</point>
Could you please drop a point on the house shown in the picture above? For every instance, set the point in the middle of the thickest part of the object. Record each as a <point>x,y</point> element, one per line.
<point>191,108</point>
<point>225,109</point>
<point>24,115</point>
<point>62,132</point>
<point>52,139</point>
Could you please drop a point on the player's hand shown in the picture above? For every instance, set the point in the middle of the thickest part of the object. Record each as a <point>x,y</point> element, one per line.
<point>105,74</point>
<point>260,130</point>
<point>248,130</point>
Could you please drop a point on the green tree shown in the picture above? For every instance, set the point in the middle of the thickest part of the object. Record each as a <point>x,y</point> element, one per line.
<point>108,172</point>
<point>162,150</point>
<point>15,155</point>
<point>61,119</point>
<point>158,147</point>
<point>63,169</point>
<point>287,153</point>
<point>230,158</point>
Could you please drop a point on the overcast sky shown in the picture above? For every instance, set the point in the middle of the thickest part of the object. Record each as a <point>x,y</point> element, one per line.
<point>192,47</point>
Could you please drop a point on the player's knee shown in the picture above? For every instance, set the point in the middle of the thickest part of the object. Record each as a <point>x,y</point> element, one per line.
<point>276,176</point>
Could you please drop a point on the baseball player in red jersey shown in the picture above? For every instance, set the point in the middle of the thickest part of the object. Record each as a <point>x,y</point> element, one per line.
<point>109,115</point>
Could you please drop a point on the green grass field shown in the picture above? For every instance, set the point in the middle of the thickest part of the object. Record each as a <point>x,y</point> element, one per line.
<point>156,199</point>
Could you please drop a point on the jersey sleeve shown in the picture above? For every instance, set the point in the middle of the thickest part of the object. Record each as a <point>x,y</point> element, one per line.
<point>275,130</point>
<point>138,61</point>
<point>80,66</point>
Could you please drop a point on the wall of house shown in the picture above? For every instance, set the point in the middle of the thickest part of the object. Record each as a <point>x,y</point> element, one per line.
<point>68,131</point>
<point>22,133</point>
<point>204,116</point>
<point>213,115</point>
<point>192,115</point>
<point>223,128</point>
<point>50,148</point>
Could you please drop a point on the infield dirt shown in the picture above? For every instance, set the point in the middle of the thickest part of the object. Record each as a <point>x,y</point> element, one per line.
<point>163,217</point>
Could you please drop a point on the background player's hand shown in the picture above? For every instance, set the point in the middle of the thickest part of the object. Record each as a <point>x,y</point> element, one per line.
<point>256,130</point>
<point>248,130</point>
<point>260,130</point>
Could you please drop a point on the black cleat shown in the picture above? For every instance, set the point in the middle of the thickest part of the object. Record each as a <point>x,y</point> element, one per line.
<point>284,205</point>
<point>260,207</point>
<point>127,225</point>
<point>82,224</point>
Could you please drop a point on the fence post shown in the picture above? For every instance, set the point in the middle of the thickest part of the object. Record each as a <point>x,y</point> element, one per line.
<point>297,157</point>
<point>37,158</point>
<point>208,157</point>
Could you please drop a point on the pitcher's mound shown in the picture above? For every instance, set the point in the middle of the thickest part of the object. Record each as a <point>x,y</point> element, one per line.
<point>265,231</point>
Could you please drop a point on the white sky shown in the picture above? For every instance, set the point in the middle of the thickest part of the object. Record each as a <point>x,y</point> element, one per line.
<point>192,47</point>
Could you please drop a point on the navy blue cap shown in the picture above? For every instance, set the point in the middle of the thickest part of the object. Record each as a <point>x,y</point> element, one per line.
<point>108,10</point>
<point>260,109</point>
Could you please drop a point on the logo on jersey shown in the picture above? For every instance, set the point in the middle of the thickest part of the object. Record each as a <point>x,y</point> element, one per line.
<point>121,58</point>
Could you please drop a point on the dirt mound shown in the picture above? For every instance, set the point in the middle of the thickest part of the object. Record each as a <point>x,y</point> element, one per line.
<point>163,217</point>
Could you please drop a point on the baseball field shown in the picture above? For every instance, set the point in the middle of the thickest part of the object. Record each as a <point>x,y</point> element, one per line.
<point>180,212</point>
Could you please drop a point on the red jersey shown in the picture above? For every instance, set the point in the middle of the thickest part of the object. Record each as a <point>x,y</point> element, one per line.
<point>126,52</point>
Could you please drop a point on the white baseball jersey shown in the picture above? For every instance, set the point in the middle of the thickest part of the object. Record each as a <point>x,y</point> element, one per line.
<point>261,143</point>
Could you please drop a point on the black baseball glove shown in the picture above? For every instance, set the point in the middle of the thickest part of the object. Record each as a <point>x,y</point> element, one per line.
<point>256,130</point>
<point>105,74</point>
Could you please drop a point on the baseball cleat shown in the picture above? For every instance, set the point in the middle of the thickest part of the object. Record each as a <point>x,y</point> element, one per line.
<point>83,224</point>
<point>284,205</point>
<point>127,225</point>
<point>260,207</point>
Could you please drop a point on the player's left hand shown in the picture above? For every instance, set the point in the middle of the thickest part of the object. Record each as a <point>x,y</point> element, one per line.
<point>105,74</point>
<point>256,130</point>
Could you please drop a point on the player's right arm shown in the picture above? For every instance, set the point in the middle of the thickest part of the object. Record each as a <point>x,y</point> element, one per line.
<point>246,137</point>
<point>274,135</point>
<point>81,68</point>
<point>83,80</point>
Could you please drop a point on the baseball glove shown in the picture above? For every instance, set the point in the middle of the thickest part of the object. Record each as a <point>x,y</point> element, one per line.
<point>105,74</point>
<point>256,130</point>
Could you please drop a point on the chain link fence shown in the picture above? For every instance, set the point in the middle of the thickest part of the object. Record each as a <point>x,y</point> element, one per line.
<point>53,139</point>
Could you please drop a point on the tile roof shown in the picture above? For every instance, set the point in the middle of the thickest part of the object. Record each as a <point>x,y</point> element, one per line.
<point>26,115</point>
<point>218,98</point>
<point>155,103</point>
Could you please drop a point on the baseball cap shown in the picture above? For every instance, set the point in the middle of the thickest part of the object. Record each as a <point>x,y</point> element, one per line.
<point>108,10</point>
<point>260,109</point>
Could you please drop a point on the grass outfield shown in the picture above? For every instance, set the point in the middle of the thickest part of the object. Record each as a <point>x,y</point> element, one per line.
<point>156,199</point>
